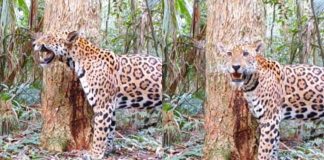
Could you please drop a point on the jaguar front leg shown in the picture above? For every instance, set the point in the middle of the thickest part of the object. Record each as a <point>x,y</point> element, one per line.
<point>102,122</point>
<point>269,140</point>
<point>111,134</point>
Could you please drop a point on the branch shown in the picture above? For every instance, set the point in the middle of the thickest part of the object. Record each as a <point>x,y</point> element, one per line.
<point>152,27</point>
<point>108,14</point>
<point>318,34</point>
<point>272,26</point>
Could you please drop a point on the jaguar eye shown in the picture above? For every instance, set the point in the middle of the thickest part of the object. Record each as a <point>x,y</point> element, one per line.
<point>245,53</point>
<point>229,53</point>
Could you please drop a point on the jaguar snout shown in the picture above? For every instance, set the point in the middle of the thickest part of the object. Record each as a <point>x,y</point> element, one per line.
<point>236,74</point>
<point>236,67</point>
<point>45,55</point>
<point>43,48</point>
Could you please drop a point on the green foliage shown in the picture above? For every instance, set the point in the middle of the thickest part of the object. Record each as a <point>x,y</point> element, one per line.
<point>21,96</point>
<point>5,96</point>
<point>311,146</point>
<point>183,114</point>
<point>141,140</point>
<point>305,151</point>
<point>26,142</point>
<point>145,140</point>
<point>23,19</point>
<point>184,9</point>
<point>286,32</point>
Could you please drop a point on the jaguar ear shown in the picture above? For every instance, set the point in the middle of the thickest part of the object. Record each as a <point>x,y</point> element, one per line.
<point>259,46</point>
<point>72,36</point>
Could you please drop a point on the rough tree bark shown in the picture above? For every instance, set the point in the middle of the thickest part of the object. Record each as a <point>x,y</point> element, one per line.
<point>65,111</point>
<point>230,128</point>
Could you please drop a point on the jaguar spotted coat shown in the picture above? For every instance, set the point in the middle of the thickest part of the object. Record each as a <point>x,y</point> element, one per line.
<point>108,80</point>
<point>274,92</point>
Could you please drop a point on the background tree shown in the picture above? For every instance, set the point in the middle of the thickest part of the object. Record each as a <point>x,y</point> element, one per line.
<point>230,133</point>
<point>172,29</point>
<point>184,29</point>
<point>21,76</point>
<point>65,112</point>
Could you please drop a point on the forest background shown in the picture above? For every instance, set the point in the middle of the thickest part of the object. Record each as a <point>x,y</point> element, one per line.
<point>174,30</point>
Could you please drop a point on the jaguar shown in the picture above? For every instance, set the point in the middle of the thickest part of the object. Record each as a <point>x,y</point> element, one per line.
<point>274,92</point>
<point>109,81</point>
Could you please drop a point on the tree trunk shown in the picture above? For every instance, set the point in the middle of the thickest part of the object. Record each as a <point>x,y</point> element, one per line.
<point>230,128</point>
<point>67,117</point>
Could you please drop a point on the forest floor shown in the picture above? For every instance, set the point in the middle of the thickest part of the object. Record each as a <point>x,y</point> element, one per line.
<point>183,124</point>
<point>302,140</point>
<point>131,141</point>
<point>133,144</point>
<point>183,135</point>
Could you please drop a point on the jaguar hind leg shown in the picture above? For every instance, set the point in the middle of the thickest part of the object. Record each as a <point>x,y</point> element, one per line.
<point>111,135</point>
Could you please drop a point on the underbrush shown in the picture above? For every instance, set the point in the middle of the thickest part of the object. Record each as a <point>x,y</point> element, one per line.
<point>174,133</point>
<point>183,126</point>
<point>302,140</point>
<point>133,138</point>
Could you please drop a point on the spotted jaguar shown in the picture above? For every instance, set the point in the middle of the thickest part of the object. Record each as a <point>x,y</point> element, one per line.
<point>274,92</point>
<point>109,81</point>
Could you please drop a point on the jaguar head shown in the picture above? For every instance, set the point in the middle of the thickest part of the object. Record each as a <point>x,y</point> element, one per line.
<point>240,61</point>
<point>50,46</point>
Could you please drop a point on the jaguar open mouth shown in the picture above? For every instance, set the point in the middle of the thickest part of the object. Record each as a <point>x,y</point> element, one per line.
<point>46,55</point>
<point>237,77</point>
